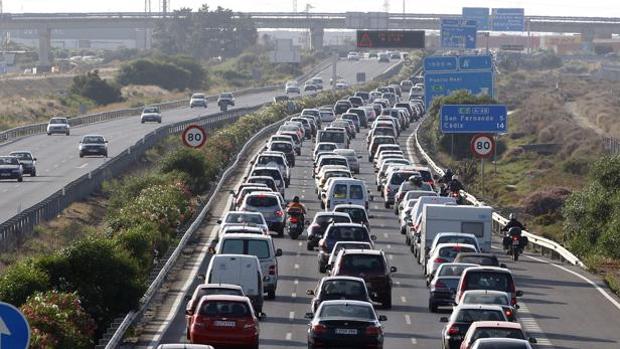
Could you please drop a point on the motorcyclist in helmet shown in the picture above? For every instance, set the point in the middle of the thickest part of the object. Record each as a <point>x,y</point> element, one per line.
<point>513,227</point>
<point>296,207</point>
<point>444,180</point>
<point>455,186</point>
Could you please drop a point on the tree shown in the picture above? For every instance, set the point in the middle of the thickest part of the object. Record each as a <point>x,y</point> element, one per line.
<point>20,280</point>
<point>152,72</point>
<point>57,320</point>
<point>93,87</point>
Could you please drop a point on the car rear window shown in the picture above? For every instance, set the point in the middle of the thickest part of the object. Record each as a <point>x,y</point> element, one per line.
<point>502,345</point>
<point>262,201</point>
<point>356,214</point>
<point>451,252</point>
<point>224,309</point>
<point>275,174</point>
<point>9,161</point>
<point>327,147</point>
<point>399,177</point>
<point>452,270</point>
<point>340,191</point>
<point>243,218</point>
<point>264,160</point>
<point>491,332</point>
<point>324,220</point>
<point>356,192</point>
<point>383,132</point>
<point>471,315</point>
<point>341,288</point>
<point>348,234</point>
<point>480,260</point>
<point>259,248</point>
<point>354,311</point>
<point>456,239</point>
<point>489,280</point>
<point>283,147</point>
<point>332,161</point>
<point>332,137</point>
<point>473,298</point>
<point>359,263</point>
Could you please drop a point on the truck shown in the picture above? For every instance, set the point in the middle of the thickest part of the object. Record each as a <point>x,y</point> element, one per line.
<point>436,219</point>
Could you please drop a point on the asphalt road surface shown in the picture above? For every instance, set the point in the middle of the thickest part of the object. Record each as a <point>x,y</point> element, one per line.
<point>58,162</point>
<point>559,308</point>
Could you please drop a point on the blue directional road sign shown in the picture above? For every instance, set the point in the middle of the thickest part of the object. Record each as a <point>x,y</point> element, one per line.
<point>481,62</point>
<point>508,19</point>
<point>478,14</point>
<point>459,118</point>
<point>444,84</point>
<point>14,328</point>
<point>458,33</point>
<point>440,63</point>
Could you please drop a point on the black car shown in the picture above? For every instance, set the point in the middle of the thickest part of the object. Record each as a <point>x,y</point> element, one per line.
<point>341,232</point>
<point>345,323</point>
<point>461,319</point>
<point>338,287</point>
<point>342,106</point>
<point>373,267</point>
<point>482,259</point>
<point>286,148</point>
<point>444,283</point>
<point>27,160</point>
<point>10,168</point>
<point>320,223</point>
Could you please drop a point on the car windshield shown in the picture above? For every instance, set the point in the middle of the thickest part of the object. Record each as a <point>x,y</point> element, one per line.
<point>58,121</point>
<point>262,201</point>
<point>22,156</point>
<point>494,332</point>
<point>93,139</point>
<point>326,114</point>
<point>244,218</point>
<point>334,161</point>
<point>452,270</point>
<point>258,248</point>
<point>349,311</point>
<point>485,280</point>
<point>151,110</point>
<point>6,160</point>
<point>224,309</point>
<point>339,288</point>
<point>198,96</point>
<point>283,147</point>
<point>348,234</point>
<point>357,214</point>
<point>327,219</point>
<point>359,263</point>
<point>471,315</point>
<point>485,298</point>
<point>332,137</point>
<point>226,95</point>
<point>452,251</point>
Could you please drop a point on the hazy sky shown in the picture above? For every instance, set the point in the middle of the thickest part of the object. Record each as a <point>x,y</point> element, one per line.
<point>602,8</point>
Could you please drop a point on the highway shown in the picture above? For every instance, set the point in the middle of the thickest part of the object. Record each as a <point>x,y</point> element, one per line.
<point>560,306</point>
<point>58,162</point>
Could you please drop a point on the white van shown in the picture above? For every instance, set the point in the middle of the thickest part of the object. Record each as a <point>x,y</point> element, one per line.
<point>413,233</point>
<point>476,220</point>
<point>261,246</point>
<point>334,135</point>
<point>344,191</point>
<point>238,269</point>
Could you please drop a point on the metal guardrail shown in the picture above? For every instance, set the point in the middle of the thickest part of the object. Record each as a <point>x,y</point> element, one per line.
<point>544,244</point>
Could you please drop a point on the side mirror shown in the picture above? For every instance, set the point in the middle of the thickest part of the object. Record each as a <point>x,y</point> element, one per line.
<point>188,312</point>
<point>307,222</point>
<point>519,293</point>
<point>503,266</point>
<point>359,156</point>
<point>393,269</point>
<point>532,340</point>
<point>187,297</point>
<point>279,252</point>
<point>211,250</point>
<point>35,159</point>
<point>252,162</point>
<point>371,216</point>
<point>382,318</point>
<point>516,306</point>
<point>261,316</point>
<point>308,316</point>
<point>443,319</point>
<point>201,277</point>
<point>107,142</point>
<point>328,267</point>
<point>373,237</point>
<point>310,292</point>
<point>219,221</point>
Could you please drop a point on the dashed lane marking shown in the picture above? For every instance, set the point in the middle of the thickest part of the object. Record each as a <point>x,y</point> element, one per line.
<point>389,246</point>
<point>531,326</point>
<point>289,336</point>
<point>81,166</point>
<point>296,282</point>
<point>291,315</point>
<point>403,299</point>
<point>296,266</point>
<point>385,235</point>
<point>414,341</point>
<point>293,295</point>
<point>408,319</point>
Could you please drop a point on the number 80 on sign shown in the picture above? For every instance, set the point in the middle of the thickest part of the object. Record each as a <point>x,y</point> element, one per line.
<point>482,146</point>
<point>194,136</point>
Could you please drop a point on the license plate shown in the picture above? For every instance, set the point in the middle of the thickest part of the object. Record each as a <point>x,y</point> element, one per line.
<point>346,331</point>
<point>515,242</point>
<point>224,323</point>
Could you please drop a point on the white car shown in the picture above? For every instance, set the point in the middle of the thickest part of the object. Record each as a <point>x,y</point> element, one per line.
<point>198,100</point>
<point>58,125</point>
<point>353,56</point>
<point>150,114</point>
<point>445,253</point>
<point>243,219</point>
<point>93,145</point>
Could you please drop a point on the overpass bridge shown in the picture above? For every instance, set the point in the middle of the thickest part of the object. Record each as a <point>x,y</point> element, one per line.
<point>142,23</point>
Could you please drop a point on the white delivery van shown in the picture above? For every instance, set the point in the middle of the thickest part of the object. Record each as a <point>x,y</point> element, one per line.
<point>344,191</point>
<point>476,220</point>
<point>238,269</point>
<point>413,233</point>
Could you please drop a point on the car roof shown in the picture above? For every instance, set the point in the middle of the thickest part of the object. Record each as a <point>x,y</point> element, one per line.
<point>183,346</point>
<point>245,236</point>
<point>243,226</point>
<point>497,324</point>
<point>244,212</point>
<point>229,286</point>
<point>92,135</point>
<point>349,206</point>
<point>503,341</point>
<point>224,297</point>
<point>489,269</point>
<point>20,151</point>
<point>349,278</point>
<point>356,225</point>
<point>492,292</point>
<point>479,307</point>
<point>345,302</point>
<point>478,254</point>
<point>360,251</point>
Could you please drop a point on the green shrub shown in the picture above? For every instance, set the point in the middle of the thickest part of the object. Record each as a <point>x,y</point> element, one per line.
<point>57,320</point>
<point>190,162</point>
<point>149,72</point>
<point>20,280</point>
<point>143,242</point>
<point>93,87</point>
<point>577,166</point>
<point>105,277</point>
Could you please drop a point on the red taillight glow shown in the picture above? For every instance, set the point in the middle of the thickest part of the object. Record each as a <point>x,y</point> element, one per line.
<point>279,213</point>
<point>319,329</point>
<point>440,284</point>
<point>508,313</point>
<point>293,220</point>
<point>440,260</point>
<point>374,331</point>
<point>273,269</point>
<point>453,330</point>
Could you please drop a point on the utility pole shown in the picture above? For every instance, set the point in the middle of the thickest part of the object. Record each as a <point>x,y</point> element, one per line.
<point>1,12</point>
<point>404,9</point>
<point>164,7</point>
<point>386,6</point>
<point>294,5</point>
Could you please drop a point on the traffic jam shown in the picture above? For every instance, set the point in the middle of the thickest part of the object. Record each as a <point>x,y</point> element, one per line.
<point>316,190</point>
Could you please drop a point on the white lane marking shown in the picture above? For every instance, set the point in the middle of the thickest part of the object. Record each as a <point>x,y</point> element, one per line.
<point>397,283</point>
<point>5,190</point>
<point>385,235</point>
<point>414,341</point>
<point>296,282</point>
<point>289,336</point>
<point>403,299</point>
<point>408,319</point>
<point>55,166</point>
<point>530,325</point>
<point>83,165</point>
<point>294,295</point>
<point>291,315</point>
<point>389,246</point>
<point>592,283</point>
<point>391,257</point>
<point>300,243</point>
<point>296,266</point>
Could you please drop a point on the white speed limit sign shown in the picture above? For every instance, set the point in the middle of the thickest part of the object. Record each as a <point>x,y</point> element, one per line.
<point>194,136</point>
<point>482,146</point>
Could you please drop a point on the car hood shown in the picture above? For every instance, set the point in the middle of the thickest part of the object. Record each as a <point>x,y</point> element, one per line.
<point>93,144</point>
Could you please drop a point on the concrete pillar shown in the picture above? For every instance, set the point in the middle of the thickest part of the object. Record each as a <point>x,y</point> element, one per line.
<point>316,37</point>
<point>45,44</point>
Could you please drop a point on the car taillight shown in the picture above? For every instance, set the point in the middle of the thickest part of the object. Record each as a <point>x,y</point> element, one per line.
<point>374,331</point>
<point>323,245</point>
<point>440,284</point>
<point>440,260</point>
<point>279,213</point>
<point>513,301</point>
<point>249,325</point>
<point>389,190</point>
<point>515,238</point>
<point>453,330</point>
<point>319,329</point>
<point>508,313</point>
<point>293,220</point>
<point>273,269</point>
<point>199,322</point>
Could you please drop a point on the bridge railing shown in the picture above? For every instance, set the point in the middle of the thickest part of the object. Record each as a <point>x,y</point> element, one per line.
<point>544,245</point>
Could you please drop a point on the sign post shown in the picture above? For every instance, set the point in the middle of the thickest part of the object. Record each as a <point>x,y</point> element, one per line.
<point>194,136</point>
<point>482,146</point>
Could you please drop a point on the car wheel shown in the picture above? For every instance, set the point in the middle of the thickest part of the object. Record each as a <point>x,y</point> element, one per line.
<point>81,155</point>
<point>309,247</point>
<point>387,205</point>
<point>432,307</point>
<point>105,155</point>
<point>141,121</point>
<point>271,294</point>
<point>20,179</point>
<point>49,134</point>
<point>33,174</point>
<point>387,301</point>
<point>159,122</point>
<point>68,133</point>
<point>322,268</point>
<point>395,209</point>
<point>403,231</point>
<point>322,205</point>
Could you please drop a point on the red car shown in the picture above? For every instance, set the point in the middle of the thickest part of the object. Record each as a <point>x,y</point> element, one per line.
<point>225,321</point>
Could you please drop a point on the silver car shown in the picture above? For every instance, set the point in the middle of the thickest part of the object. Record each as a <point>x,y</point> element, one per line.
<point>58,125</point>
<point>269,205</point>
<point>27,160</point>
<point>10,168</point>
<point>352,158</point>
<point>93,145</point>
<point>198,100</point>
<point>150,114</point>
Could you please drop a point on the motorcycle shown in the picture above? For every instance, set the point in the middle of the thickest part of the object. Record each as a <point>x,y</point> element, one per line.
<point>295,224</point>
<point>458,197</point>
<point>515,243</point>
<point>515,248</point>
